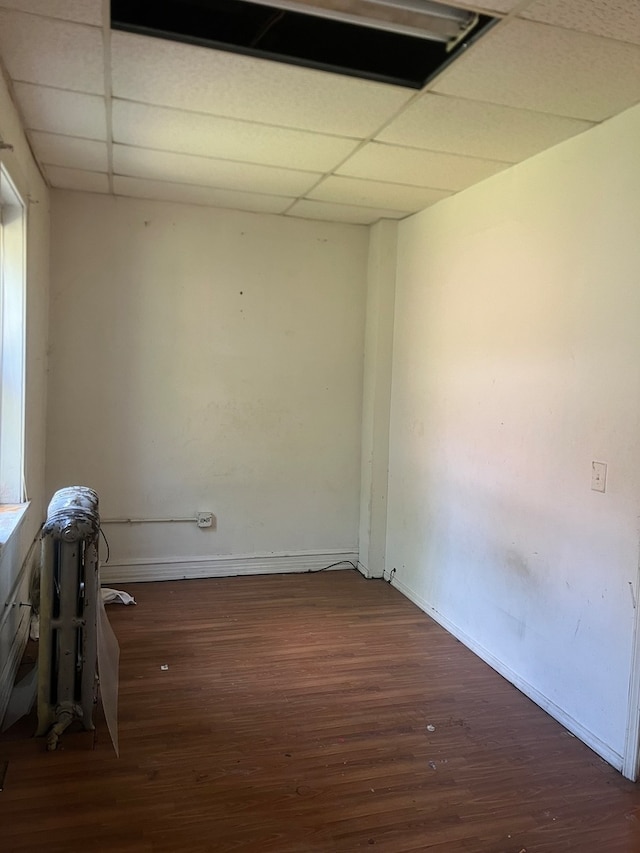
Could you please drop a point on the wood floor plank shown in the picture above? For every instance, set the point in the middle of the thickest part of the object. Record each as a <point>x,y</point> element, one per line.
<point>317,713</point>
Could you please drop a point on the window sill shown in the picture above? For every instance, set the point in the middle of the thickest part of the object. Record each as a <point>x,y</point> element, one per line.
<point>11,516</point>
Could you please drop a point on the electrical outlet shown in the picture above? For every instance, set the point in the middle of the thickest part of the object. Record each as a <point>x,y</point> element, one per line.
<point>205,519</point>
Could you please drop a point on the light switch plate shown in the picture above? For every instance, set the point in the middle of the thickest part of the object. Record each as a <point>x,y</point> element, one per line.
<point>598,476</point>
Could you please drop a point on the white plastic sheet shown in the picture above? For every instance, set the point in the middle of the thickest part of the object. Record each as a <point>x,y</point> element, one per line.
<point>108,665</point>
<point>116,596</point>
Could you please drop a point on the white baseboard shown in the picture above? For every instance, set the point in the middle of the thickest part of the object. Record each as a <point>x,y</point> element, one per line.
<point>589,738</point>
<point>364,571</point>
<point>183,568</point>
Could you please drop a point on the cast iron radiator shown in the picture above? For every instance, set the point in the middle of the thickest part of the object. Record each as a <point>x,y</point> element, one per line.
<point>69,590</point>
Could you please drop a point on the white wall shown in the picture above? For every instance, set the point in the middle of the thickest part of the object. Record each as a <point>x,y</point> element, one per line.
<point>206,359</point>
<point>517,363</point>
<point>14,572</point>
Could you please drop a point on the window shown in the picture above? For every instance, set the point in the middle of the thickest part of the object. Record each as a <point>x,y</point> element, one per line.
<point>12,341</point>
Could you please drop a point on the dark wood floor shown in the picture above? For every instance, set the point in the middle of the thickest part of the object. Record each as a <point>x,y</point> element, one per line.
<point>294,717</point>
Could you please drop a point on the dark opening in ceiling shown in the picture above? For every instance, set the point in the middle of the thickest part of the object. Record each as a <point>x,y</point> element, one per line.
<point>288,36</point>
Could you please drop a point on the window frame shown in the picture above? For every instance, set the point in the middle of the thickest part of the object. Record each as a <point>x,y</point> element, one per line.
<point>13,230</point>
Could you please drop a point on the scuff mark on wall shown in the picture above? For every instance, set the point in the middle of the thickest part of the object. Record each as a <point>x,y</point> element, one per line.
<point>518,564</point>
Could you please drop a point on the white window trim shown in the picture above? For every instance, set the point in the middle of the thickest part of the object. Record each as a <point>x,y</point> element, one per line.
<point>12,354</point>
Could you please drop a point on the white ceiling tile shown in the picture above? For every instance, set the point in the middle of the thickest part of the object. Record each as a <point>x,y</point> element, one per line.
<point>478,129</point>
<point>378,161</point>
<point>53,53</point>
<point>534,66</point>
<point>55,150</point>
<point>224,174</point>
<point>376,194</point>
<point>76,179</point>
<point>616,19</point>
<point>209,136</point>
<point>81,11</point>
<point>226,84</point>
<point>61,111</point>
<point>307,209</point>
<point>189,194</point>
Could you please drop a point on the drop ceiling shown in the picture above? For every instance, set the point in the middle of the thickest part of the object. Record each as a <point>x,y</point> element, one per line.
<point>402,42</point>
<point>131,115</point>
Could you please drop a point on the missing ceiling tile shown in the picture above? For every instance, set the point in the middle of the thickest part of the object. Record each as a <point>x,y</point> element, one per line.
<point>323,36</point>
